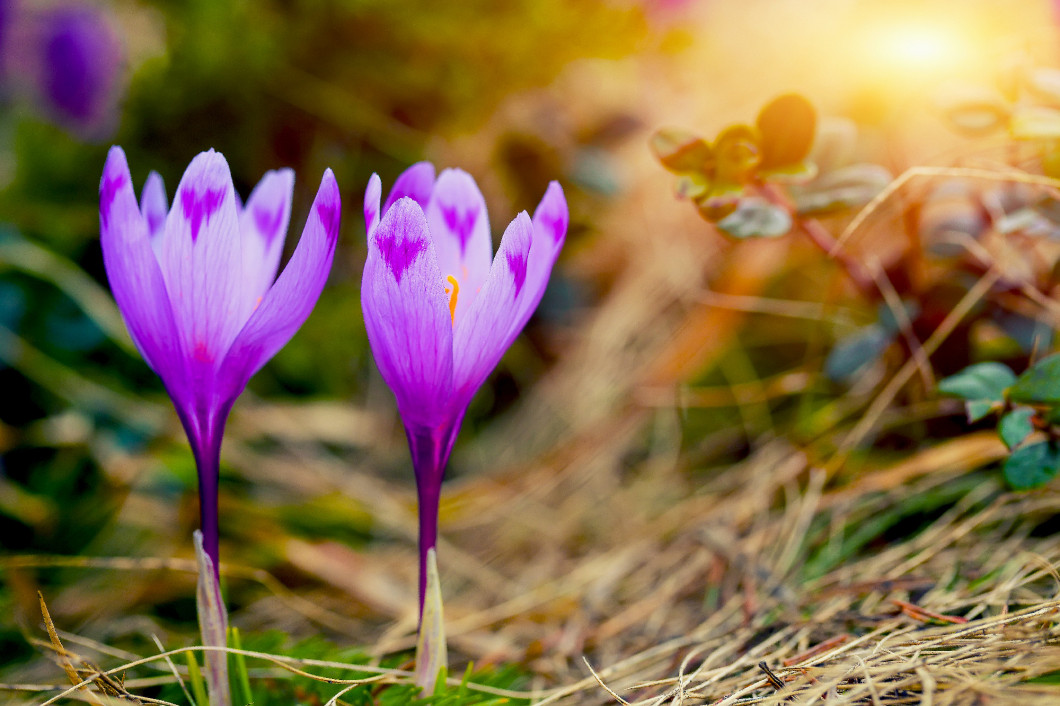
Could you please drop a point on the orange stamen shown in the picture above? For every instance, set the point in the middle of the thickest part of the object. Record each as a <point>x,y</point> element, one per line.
<point>452,296</point>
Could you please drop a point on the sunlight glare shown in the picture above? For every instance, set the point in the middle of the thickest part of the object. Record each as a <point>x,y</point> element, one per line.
<point>907,47</point>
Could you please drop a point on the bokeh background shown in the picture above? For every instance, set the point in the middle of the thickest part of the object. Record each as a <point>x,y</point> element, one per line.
<point>662,356</point>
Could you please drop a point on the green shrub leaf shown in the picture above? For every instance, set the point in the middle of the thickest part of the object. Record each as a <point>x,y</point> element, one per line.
<point>682,151</point>
<point>983,381</point>
<point>977,409</point>
<point>842,188</point>
<point>756,218</point>
<point>1040,383</point>
<point>1032,465</point>
<point>857,351</point>
<point>1016,426</point>
<point>787,125</point>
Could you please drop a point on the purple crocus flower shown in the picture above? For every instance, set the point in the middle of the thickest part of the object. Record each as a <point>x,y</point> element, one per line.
<point>440,310</point>
<point>195,286</point>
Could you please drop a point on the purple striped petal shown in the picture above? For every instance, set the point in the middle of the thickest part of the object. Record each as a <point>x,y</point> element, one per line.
<point>550,230</point>
<point>135,277</point>
<point>491,323</point>
<point>406,315</point>
<point>287,305</point>
<point>201,262</point>
<point>416,183</point>
<point>460,230</point>
<point>372,194</point>
<point>153,206</point>
<point>262,228</point>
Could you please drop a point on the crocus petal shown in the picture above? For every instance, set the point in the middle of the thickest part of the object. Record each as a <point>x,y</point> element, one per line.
<point>460,229</point>
<point>406,315</point>
<point>201,261</point>
<point>262,229</point>
<point>372,194</point>
<point>550,230</point>
<point>135,277</point>
<point>483,335</point>
<point>287,305</point>
<point>416,183</point>
<point>153,205</point>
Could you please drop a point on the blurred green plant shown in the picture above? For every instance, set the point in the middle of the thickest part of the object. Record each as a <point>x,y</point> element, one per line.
<point>325,673</point>
<point>1024,404</point>
<point>730,179</point>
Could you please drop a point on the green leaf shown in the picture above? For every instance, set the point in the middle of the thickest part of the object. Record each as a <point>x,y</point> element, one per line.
<point>855,352</point>
<point>198,686</point>
<point>682,151</point>
<point>241,694</point>
<point>1016,426</point>
<point>1033,465</point>
<point>755,217</point>
<point>845,187</point>
<point>787,126</point>
<point>213,622</point>
<point>982,381</point>
<point>1039,384</point>
<point>432,662</point>
<point>977,409</point>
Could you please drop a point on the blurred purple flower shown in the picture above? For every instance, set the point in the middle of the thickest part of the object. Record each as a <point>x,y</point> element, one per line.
<point>66,55</point>
<point>7,16</point>
<point>195,286</point>
<point>440,310</point>
<point>80,62</point>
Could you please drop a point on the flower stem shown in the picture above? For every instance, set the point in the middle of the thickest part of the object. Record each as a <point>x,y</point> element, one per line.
<point>428,495</point>
<point>430,449</point>
<point>205,433</point>
<point>208,520</point>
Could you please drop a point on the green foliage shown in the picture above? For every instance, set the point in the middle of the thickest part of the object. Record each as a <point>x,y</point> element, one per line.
<point>721,178</point>
<point>727,178</point>
<point>865,346</point>
<point>237,671</point>
<point>1028,402</point>
<point>283,688</point>
<point>857,351</point>
<point>1015,426</point>
<point>1033,465</point>
<point>195,679</point>
<point>984,381</point>
<point>844,188</point>
<point>1040,384</point>
<point>756,217</point>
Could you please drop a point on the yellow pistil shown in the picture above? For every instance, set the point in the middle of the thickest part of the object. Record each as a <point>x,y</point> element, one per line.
<point>452,296</point>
